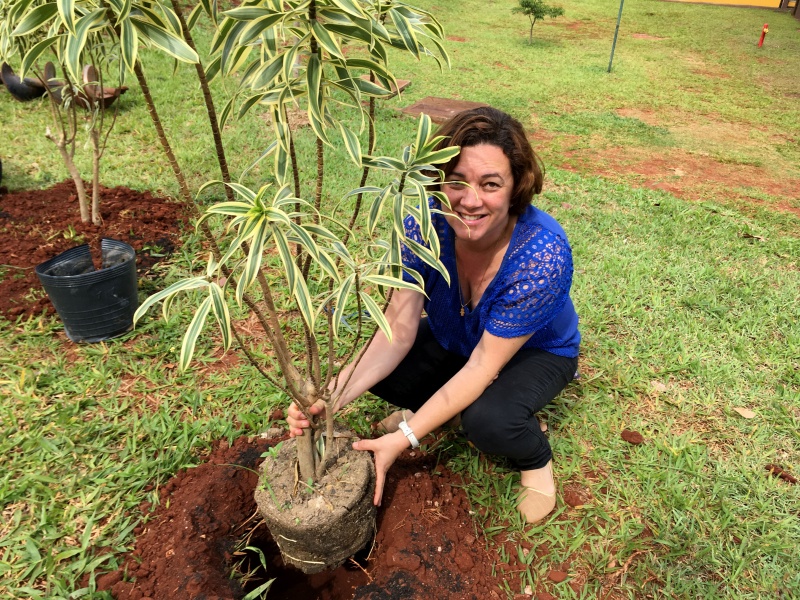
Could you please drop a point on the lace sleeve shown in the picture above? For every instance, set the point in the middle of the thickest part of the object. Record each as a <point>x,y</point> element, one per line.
<point>536,287</point>
<point>411,260</point>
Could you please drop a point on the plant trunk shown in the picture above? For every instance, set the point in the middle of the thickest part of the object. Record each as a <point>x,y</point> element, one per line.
<point>95,136</point>
<point>83,203</point>
<point>61,144</point>
<point>162,136</point>
<point>306,456</point>
<point>209,100</point>
<point>530,34</point>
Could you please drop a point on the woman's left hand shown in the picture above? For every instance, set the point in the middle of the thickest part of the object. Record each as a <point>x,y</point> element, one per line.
<point>386,450</point>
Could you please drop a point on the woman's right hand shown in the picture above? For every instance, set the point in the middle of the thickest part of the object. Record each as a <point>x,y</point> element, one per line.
<point>297,420</point>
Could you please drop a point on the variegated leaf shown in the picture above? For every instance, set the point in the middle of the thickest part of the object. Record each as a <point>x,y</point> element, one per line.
<point>129,44</point>
<point>183,285</point>
<point>376,314</point>
<point>423,132</point>
<point>193,332</point>
<point>166,41</point>
<point>35,18</point>
<point>66,8</point>
<point>351,144</point>
<point>222,313</point>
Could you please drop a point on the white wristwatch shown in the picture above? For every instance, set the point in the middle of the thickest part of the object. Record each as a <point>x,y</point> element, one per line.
<point>409,434</point>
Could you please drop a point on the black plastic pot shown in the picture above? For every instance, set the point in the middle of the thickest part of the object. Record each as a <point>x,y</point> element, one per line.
<point>94,305</point>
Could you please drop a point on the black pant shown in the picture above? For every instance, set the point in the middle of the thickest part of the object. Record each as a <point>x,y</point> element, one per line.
<point>501,421</point>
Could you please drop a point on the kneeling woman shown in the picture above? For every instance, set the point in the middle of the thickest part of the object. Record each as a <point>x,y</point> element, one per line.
<point>501,341</point>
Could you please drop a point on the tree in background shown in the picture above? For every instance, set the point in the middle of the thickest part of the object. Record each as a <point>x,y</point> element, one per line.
<point>535,10</point>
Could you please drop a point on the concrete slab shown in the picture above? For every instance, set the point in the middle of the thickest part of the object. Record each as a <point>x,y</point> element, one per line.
<point>439,109</point>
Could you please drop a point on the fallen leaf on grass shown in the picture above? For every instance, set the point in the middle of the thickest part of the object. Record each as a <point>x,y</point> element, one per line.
<point>778,471</point>
<point>632,437</point>
<point>745,412</point>
<point>750,236</point>
<point>658,386</point>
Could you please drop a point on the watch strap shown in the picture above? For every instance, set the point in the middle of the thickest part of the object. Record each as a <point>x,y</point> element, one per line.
<point>409,434</point>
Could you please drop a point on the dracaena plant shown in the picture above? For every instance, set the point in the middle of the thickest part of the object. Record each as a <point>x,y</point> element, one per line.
<point>334,263</point>
<point>71,33</point>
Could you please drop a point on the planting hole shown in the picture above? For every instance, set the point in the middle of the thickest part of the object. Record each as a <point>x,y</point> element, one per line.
<point>291,583</point>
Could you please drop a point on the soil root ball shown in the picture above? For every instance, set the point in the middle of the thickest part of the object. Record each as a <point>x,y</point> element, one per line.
<point>318,527</point>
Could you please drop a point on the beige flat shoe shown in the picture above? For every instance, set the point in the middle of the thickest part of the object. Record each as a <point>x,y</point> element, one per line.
<point>392,423</point>
<point>534,504</point>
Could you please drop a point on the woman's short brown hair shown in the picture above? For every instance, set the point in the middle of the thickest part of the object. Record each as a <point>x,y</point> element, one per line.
<point>487,125</point>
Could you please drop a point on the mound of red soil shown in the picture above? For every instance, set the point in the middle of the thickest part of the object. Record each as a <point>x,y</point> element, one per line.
<point>37,225</point>
<point>426,545</point>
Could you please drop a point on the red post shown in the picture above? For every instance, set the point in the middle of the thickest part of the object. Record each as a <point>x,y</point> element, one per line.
<point>763,35</point>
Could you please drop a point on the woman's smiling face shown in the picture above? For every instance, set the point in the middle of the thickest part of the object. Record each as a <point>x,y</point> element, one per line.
<point>479,189</point>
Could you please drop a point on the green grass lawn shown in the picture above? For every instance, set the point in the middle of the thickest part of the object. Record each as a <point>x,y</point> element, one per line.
<point>689,311</point>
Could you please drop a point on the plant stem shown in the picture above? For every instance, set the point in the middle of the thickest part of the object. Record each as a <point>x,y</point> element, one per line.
<point>209,101</point>
<point>305,455</point>
<point>98,114</point>
<point>162,136</point>
<point>63,141</point>
<point>329,439</point>
<point>295,167</point>
<point>73,172</point>
<point>273,329</point>
<point>365,173</point>
<point>94,135</point>
<point>256,364</point>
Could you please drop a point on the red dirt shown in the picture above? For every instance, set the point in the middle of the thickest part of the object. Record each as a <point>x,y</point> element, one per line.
<point>37,225</point>
<point>632,437</point>
<point>426,543</point>
<point>685,175</point>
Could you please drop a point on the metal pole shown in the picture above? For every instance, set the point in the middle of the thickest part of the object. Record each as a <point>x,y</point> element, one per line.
<point>616,32</point>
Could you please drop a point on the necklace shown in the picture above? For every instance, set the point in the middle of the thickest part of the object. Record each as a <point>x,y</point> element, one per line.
<point>485,270</point>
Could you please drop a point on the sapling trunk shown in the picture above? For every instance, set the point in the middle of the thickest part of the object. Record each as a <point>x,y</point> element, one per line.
<point>97,106</point>
<point>61,144</point>
<point>305,456</point>
<point>94,135</point>
<point>162,136</point>
<point>64,141</point>
<point>209,102</point>
<point>95,127</point>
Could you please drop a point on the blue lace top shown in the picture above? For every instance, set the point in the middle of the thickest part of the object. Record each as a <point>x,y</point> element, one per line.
<point>529,294</point>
